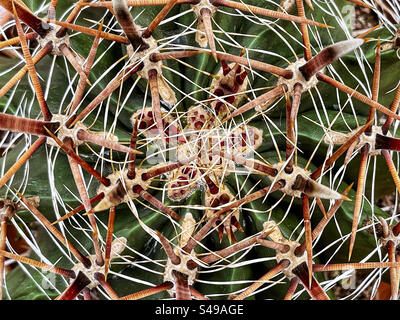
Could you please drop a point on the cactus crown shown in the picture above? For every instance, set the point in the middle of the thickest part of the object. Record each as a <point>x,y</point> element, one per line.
<point>198,149</point>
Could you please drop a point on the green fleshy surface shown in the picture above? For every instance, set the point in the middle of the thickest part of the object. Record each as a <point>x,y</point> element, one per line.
<point>20,286</point>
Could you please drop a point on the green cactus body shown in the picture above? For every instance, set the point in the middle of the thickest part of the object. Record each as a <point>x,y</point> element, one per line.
<point>211,151</point>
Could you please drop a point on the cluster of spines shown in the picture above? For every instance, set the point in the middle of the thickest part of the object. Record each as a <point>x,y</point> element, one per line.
<point>291,85</point>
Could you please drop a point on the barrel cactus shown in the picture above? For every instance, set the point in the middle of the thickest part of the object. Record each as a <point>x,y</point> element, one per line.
<point>206,150</point>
